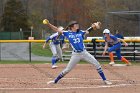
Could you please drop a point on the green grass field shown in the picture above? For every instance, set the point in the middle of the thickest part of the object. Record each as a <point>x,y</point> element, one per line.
<point>38,50</point>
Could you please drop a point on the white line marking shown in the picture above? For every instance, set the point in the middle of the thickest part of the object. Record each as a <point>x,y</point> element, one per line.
<point>88,79</point>
<point>64,88</point>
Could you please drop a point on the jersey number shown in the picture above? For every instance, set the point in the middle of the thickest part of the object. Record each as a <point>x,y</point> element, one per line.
<point>77,40</point>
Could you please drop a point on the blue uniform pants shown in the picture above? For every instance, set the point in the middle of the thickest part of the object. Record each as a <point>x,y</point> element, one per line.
<point>117,49</point>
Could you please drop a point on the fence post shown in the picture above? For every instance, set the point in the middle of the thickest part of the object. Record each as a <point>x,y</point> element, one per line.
<point>94,46</point>
<point>30,51</point>
<point>134,52</point>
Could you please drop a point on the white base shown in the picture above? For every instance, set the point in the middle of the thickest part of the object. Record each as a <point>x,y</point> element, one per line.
<point>119,65</point>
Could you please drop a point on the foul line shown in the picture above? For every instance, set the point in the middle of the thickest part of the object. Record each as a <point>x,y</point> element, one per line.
<point>88,79</point>
<point>95,87</point>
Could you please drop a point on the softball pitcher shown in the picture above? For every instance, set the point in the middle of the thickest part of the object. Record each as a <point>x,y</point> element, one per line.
<point>75,37</point>
<point>116,45</point>
<point>55,47</point>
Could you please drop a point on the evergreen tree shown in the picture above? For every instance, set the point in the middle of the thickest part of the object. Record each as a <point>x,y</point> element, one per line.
<point>14,17</point>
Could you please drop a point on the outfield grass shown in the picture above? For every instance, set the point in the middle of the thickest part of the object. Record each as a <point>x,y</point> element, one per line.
<point>38,50</point>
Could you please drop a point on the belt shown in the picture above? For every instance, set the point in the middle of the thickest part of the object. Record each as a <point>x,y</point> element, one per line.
<point>77,51</point>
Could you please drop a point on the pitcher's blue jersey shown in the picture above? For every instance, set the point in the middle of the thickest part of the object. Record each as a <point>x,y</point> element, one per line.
<point>75,39</point>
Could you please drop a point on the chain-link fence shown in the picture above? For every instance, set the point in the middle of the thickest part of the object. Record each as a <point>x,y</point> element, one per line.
<point>126,22</point>
<point>20,52</point>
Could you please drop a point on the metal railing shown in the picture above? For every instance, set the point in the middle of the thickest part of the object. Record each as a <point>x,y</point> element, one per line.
<point>95,47</point>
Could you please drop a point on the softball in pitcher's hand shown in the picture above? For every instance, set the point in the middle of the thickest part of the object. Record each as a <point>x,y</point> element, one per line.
<point>45,21</point>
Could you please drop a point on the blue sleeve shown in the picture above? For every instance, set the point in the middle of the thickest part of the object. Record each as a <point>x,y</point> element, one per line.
<point>47,39</point>
<point>83,33</point>
<point>121,36</point>
<point>114,38</point>
<point>64,33</point>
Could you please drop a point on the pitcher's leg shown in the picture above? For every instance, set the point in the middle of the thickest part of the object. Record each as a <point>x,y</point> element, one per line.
<point>89,58</point>
<point>72,63</point>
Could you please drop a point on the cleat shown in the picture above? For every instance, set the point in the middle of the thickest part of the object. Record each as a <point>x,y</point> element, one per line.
<point>50,82</point>
<point>111,63</point>
<point>54,67</point>
<point>107,82</point>
<point>129,64</point>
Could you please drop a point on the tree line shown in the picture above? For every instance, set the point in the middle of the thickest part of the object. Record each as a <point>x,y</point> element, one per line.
<point>16,14</point>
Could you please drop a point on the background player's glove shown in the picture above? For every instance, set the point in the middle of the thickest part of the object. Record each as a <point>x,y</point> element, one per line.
<point>45,21</point>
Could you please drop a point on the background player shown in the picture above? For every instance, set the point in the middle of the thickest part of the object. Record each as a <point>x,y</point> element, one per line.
<point>75,37</point>
<point>55,47</point>
<point>111,55</point>
<point>116,45</point>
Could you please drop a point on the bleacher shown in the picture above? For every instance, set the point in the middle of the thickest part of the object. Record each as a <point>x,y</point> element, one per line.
<point>131,52</point>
